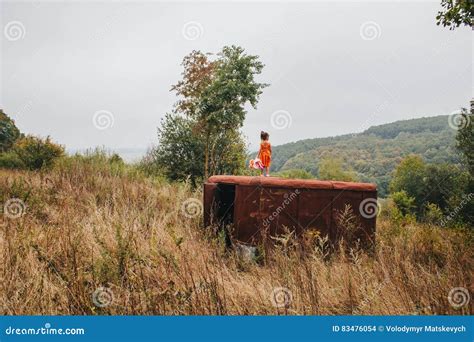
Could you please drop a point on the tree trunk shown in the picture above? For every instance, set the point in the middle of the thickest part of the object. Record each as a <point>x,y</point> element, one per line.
<point>212,159</point>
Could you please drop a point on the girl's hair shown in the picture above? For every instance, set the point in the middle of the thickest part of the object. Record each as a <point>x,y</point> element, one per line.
<point>264,135</point>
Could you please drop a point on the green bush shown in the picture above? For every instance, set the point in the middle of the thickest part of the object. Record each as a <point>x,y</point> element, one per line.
<point>433,214</point>
<point>149,167</point>
<point>35,152</point>
<point>404,203</point>
<point>116,159</point>
<point>9,133</point>
<point>10,160</point>
<point>430,191</point>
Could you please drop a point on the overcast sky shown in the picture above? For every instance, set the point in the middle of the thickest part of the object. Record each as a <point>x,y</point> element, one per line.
<point>99,74</point>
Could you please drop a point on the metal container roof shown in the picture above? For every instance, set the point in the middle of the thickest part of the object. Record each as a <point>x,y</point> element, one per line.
<point>291,183</point>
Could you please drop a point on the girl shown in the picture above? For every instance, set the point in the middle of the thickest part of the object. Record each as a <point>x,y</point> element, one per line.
<point>265,153</point>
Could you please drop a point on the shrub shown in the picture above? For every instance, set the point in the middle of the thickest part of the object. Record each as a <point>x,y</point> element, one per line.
<point>148,165</point>
<point>36,153</point>
<point>404,203</point>
<point>443,185</point>
<point>433,213</point>
<point>10,160</point>
<point>409,181</point>
<point>116,159</point>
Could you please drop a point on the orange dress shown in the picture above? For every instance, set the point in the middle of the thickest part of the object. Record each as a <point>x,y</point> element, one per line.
<point>265,153</point>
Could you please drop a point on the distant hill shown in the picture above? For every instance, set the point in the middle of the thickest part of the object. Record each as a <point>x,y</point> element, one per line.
<point>374,153</point>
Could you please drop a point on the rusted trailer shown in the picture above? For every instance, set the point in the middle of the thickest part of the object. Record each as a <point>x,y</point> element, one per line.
<point>259,207</point>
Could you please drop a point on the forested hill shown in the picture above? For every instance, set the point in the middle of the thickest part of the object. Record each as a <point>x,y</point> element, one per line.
<point>374,153</point>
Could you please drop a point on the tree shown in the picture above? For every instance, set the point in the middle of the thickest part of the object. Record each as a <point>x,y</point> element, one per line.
<point>455,13</point>
<point>443,185</point>
<point>295,173</point>
<point>465,140</point>
<point>197,76</point>
<point>9,133</point>
<point>409,176</point>
<point>230,153</point>
<point>403,202</point>
<point>465,144</point>
<point>180,153</point>
<point>332,169</point>
<point>214,94</point>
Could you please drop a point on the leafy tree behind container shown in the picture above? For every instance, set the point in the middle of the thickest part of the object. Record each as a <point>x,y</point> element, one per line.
<point>202,135</point>
<point>417,187</point>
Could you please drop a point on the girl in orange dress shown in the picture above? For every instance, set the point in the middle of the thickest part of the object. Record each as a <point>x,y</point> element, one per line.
<point>265,153</point>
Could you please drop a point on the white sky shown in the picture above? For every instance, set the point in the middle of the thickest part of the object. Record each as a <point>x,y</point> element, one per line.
<point>73,59</point>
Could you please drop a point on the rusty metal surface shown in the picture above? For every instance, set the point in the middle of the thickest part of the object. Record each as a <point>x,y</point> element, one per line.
<point>264,207</point>
<point>369,224</point>
<point>209,202</point>
<point>291,183</point>
<point>315,210</point>
<point>278,211</point>
<point>247,220</point>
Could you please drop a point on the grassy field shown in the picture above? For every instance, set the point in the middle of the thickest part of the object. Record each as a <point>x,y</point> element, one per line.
<point>99,238</point>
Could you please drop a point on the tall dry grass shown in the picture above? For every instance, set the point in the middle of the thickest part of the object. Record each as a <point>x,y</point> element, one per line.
<point>100,239</point>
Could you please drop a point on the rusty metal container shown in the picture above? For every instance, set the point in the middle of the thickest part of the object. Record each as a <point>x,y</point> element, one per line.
<point>259,207</point>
